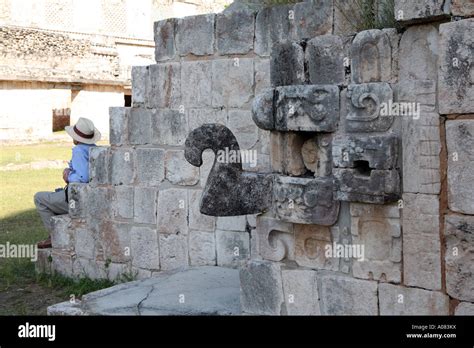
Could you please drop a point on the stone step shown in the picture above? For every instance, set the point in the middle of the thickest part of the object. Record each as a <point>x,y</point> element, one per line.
<point>204,290</point>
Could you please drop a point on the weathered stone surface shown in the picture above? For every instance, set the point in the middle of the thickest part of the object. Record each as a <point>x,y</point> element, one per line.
<point>65,308</point>
<point>287,64</point>
<point>462,8</point>
<point>115,241</point>
<point>77,202</point>
<point>197,220</point>
<point>199,117</point>
<point>173,251</point>
<point>98,206</point>
<point>232,223</point>
<point>140,85</point>
<point>169,127</point>
<point>139,126</point>
<point>99,165</point>
<point>419,53</point>
<point>371,56</point>
<point>121,166</point>
<point>306,201</point>
<point>465,308</point>
<point>43,261</point>
<point>347,296</point>
<point>460,142</point>
<point>456,77</point>
<point>121,205</point>
<point>286,155</point>
<point>232,82</point>
<point>178,170</point>
<point>245,193</point>
<point>459,257</point>
<point>241,124</point>
<point>86,243</point>
<point>325,59</point>
<point>262,109</point>
<point>312,18</point>
<point>195,35</point>
<point>145,205</point>
<point>317,154</point>
<point>165,86</point>
<point>421,243</point>
<point>411,11</point>
<point>144,248</point>
<point>367,107</point>
<point>272,25</point>
<point>202,248</point>
<point>347,17</point>
<point>377,229</point>
<point>261,288</point>
<point>62,262</point>
<point>235,32</point>
<point>118,125</point>
<point>399,300</point>
<point>275,239</point>
<point>164,32</point>
<point>233,248</point>
<point>262,74</point>
<point>196,84</point>
<point>150,166</point>
<point>173,211</point>
<point>62,235</point>
<point>301,292</point>
<point>311,242</point>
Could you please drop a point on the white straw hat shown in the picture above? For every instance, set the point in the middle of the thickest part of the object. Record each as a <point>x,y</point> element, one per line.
<point>84,131</point>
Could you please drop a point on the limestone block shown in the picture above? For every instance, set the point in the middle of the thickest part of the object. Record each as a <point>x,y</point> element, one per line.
<point>371,56</point>
<point>399,300</point>
<point>241,124</point>
<point>377,229</point>
<point>144,201</point>
<point>235,32</point>
<point>275,239</point>
<point>198,221</point>
<point>317,154</point>
<point>62,235</point>
<point>139,126</point>
<point>459,257</point>
<point>140,84</point>
<point>422,92</point>
<point>312,18</point>
<point>173,251</point>
<point>98,205</point>
<point>43,261</point>
<point>456,77</point>
<point>195,35</point>
<point>165,86</point>
<point>347,296</point>
<point>121,166</point>
<point>306,201</point>
<point>178,170</point>
<point>196,84</point>
<point>411,11</point>
<point>115,241</point>
<point>86,243</point>
<point>272,25</point>
<point>121,205</point>
<point>460,142</point>
<point>150,166</point>
<point>164,32</point>
<point>118,125</point>
<point>207,163</point>
<point>262,74</point>
<point>286,156</point>
<point>232,223</point>
<point>462,8</point>
<point>198,117</point>
<point>262,109</point>
<point>84,267</point>
<point>367,107</point>
<point>173,211</point>
<point>311,243</point>
<point>419,53</point>
<point>78,201</point>
<point>300,288</point>
<point>62,262</point>
<point>144,248</point>
<point>232,82</point>
<point>99,165</point>
<point>325,59</point>
<point>394,38</point>
<point>261,288</point>
<point>421,243</point>
<point>465,308</point>
<point>169,127</point>
<point>347,17</point>
<point>287,64</point>
<point>233,248</point>
<point>202,248</point>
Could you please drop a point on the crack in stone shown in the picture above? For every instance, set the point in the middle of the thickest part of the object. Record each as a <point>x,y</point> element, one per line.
<point>144,299</point>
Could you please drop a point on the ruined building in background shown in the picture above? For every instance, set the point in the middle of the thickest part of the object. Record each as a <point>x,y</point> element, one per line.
<point>362,140</point>
<point>65,59</point>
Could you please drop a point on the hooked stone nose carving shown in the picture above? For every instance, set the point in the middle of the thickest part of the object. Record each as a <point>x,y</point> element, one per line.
<point>229,190</point>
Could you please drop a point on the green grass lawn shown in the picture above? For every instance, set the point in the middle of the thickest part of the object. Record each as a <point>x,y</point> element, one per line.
<point>22,291</point>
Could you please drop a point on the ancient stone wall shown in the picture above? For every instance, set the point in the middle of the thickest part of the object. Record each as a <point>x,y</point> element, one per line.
<point>346,173</point>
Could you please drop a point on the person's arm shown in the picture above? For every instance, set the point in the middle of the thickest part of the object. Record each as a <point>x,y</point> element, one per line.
<point>79,166</point>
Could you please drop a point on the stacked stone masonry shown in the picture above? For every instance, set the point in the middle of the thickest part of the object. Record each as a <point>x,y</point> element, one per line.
<point>308,97</point>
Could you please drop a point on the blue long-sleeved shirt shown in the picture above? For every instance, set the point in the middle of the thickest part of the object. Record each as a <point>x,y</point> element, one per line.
<point>79,163</point>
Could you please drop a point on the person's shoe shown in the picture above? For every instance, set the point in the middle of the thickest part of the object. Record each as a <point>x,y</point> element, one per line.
<point>45,244</point>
